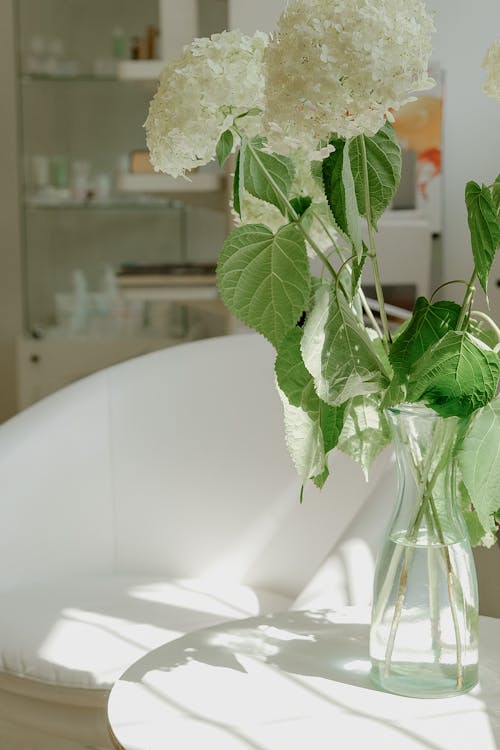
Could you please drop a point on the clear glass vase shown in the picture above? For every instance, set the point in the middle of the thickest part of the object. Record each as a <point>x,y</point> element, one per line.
<point>424,631</point>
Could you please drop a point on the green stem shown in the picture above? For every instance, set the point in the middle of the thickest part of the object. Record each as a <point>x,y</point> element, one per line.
<point>465,309</point>
<point>338,280</point>
<point>447,283</point>
<point>491,323</point>
<point>450,578</point>
<point>411,536</point>
<point>373,251</point>
<point>427,506</point>
<point>362,297</point>
<point>433,591</point>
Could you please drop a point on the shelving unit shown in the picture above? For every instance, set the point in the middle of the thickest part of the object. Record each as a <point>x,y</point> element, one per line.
<point>94,114</point>
<point>162,183</point>
<point>139,70</point>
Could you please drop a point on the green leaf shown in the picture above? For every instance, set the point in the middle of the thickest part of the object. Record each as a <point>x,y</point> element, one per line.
<point>249,113</point>
<point>456,376</point>
<point>312,428</point>
<point>340,193</point>
<point>383,154</point>
<point>236,185</point>
<point>428,324</point>
<point>291,373</point>
<point>484,228</point>
<point>357,270</point>
<point>268,176</point>
<point>304,441</point>
<point>264,279</point>
<point>478,535</point>
<point>331,419</point>
<point>224,147</point>
<point>300,204</point>
<point>394,395</point>
<point>495,191</point>
<point>479,461</point>
<point>366,432</point>
<point>297,384</point>
<point>338,352</point>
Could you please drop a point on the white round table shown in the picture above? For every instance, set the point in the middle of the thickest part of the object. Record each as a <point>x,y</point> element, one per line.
<point>292,681</point>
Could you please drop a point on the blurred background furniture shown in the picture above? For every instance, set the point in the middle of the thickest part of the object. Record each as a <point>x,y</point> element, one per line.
<point>151,499</point>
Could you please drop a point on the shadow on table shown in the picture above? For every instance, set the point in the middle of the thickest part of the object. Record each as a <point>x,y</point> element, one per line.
<point>310,643</point>
<point>294,642</point>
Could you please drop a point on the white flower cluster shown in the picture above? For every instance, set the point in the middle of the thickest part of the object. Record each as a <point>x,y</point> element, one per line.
<point>199,95</point>
<point>340,66</point>
<point>491,65</point>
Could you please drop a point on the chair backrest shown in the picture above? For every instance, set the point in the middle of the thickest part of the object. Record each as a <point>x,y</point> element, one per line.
<point>55,480</point>
<point>202,482</point>
<point>173,463</point>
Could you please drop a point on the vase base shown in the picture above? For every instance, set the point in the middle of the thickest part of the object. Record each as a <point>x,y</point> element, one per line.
<point>423,680</point>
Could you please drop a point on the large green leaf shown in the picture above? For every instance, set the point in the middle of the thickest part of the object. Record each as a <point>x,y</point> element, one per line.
<point>479,461</point>
<point>311,426</point>
<point>428,324</point>
<point>383,155</point>
<point>338,352</point>
<point>340,192</point>
<point>456,376</point>
<point>484,228</point>
<point>365,432</point>
<point>268,176</point>
<point>264,279</point>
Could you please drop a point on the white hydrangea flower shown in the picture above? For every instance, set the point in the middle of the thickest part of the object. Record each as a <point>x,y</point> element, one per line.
<point>199,95</point>
<point>339,66</point>
<point>491,65</point>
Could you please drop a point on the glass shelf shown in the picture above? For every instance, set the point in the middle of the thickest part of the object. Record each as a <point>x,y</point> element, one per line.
<point>147,204</point>
<point>30,78</point>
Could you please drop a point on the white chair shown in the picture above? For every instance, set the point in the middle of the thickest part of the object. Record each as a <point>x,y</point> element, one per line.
<point>147,500</point>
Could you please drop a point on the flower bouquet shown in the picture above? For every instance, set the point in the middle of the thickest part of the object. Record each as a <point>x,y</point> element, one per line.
<point>306,113</point>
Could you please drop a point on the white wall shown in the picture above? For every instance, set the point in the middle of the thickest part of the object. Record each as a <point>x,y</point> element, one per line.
<point>471,139</point>
<point>248,16</point>
<point>179,25</point>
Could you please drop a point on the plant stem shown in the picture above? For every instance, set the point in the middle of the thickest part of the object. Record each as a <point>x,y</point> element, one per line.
<point>433,592</point>
<point>447,283</point>
<point>373,251</point>
<point>491,323</point>
<point>450,578</point>
<point>427,506</point>
<point>362,297</point>
<point>464,312</point>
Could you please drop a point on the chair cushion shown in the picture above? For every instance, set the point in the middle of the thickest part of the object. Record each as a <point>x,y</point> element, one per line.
<point>84,632</point>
